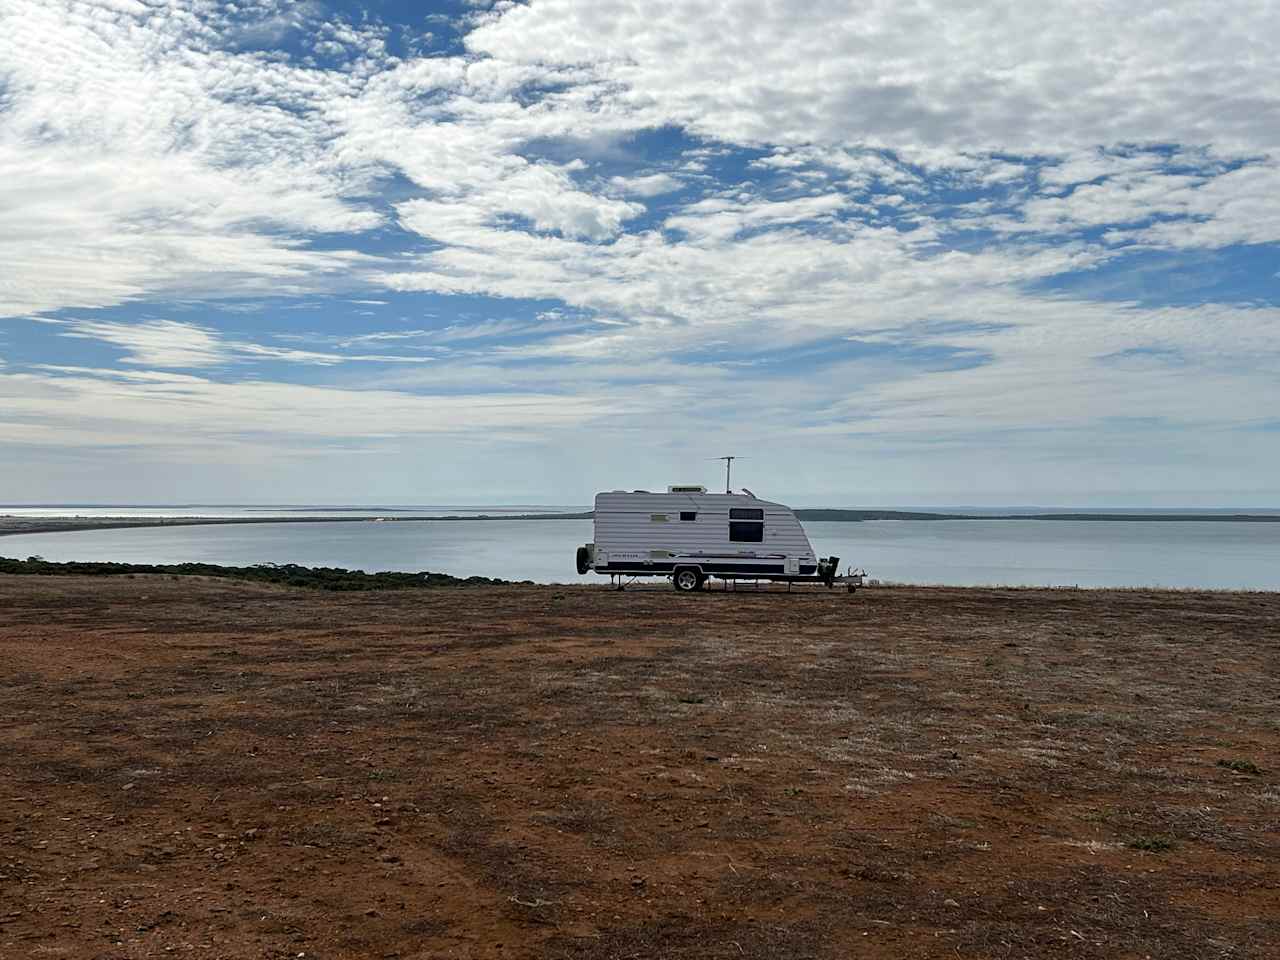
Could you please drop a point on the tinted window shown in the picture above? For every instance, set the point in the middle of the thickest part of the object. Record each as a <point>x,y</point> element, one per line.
<point>688,515</point>
<point>746,525</point>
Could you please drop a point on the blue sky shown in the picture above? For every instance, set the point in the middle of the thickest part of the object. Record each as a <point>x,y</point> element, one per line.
<point>908,253</point>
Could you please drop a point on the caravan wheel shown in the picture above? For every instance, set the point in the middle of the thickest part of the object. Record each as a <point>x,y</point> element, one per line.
<point>687,580</point>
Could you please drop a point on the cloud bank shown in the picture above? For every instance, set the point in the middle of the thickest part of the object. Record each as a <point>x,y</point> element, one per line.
<point>895,234</point>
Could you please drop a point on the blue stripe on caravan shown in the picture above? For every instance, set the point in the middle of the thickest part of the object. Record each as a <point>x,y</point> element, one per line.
<point>764,569</point>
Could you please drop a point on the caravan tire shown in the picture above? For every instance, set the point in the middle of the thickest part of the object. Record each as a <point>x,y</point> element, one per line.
<point>583,560</point>
<point>687,579</point>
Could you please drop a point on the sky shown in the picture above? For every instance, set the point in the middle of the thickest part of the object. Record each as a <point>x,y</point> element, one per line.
<point>889,253</point>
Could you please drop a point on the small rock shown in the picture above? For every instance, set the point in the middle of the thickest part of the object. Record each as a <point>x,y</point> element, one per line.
<point>949,903</point>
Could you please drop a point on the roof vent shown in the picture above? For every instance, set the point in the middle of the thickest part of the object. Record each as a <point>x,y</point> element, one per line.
<point>685,488</point>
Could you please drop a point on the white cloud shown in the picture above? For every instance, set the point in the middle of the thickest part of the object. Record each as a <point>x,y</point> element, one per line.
<point>177,345</point>
<point>152,161</point>
<point>1204,207</point>
<point>1238,207</point>
<point>998,76</point>
<point>722,219</point>
<point>155,343</point>
<point>170,163</point>
<point>1056,364</point>
<point>58,406</point>
<point>319,359</point>
<point>651,185</point>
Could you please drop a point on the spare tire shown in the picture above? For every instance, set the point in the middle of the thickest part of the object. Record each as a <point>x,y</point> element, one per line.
<point>584,560</point>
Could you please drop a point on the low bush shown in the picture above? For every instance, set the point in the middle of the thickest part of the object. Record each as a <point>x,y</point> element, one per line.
<point>1241,766</point>
<point>1158,844</point>
<point>285,574</point>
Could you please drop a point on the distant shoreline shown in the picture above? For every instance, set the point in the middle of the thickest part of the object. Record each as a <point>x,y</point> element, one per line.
<point>14,526</point>
<point>850,516</point>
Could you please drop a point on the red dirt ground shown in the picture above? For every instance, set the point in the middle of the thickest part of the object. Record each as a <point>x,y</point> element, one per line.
<point>213,769</point>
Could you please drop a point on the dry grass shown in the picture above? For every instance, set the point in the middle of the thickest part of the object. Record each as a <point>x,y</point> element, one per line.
<point>579,773</point>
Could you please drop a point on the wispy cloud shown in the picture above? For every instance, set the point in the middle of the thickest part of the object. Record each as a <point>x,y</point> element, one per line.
<point>176,345</point>
<point>155,343</point>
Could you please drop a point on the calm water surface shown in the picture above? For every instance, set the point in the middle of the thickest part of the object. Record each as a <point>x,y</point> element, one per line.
<point>960,552</point>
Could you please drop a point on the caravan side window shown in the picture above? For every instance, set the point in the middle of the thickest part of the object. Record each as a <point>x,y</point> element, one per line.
<point>746,525</point>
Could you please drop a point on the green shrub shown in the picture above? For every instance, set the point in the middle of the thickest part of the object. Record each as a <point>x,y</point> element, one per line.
<point>1241,766</point>
<point>1156,844</point>
<point>286,574</point>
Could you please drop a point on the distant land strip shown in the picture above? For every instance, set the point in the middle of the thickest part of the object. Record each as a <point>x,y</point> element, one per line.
<point>852,516</point>
<point>12,525</point>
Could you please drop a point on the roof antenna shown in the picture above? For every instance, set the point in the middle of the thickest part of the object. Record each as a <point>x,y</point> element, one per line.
<point>728,465</point>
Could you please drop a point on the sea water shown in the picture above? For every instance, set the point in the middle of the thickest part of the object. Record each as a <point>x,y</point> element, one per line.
<point>1112,553</point>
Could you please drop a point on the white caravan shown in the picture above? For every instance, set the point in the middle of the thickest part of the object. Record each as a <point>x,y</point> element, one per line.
<point>689,535</point>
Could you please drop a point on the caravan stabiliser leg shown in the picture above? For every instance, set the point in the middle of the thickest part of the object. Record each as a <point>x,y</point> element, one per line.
<point>827,570</point>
